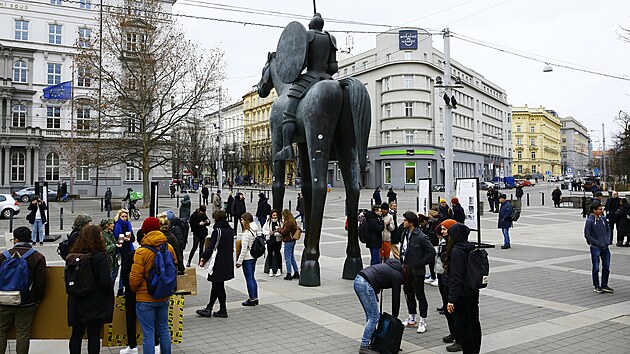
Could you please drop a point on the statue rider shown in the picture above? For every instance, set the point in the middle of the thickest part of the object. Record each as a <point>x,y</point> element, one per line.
<point>321,64</point>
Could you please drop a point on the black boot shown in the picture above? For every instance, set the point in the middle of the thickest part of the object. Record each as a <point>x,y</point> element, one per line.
<point>288,276</point>
<point>288,128</point>
<point>221,313</point>
<point>296,275</point>
<point>206,312</point>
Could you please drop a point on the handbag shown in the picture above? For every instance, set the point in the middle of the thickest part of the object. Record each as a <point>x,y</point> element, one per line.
<point>210,264</point>
<point>297,234</point>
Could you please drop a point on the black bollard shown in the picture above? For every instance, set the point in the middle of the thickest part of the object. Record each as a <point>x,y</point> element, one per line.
<point>11,220</point>
<point>199,199</point>
<point>102,204</point>
<point>543,198</point>
<point>177,200</point>
<point>61,218</point>
<point>527,199</point>
<point>289,205</point>
<point>251,196</point>
<point>418,203</point>
<point>72,207</point>
<point>109,213</point>
<point>511,196</point>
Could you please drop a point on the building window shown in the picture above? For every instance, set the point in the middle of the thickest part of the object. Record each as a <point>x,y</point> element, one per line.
<point>18,166</point>
<point>519,141</point>
<point>132,125</point>
<point>52,167</point>
<point>55,2</point>
<point>54,74</point>
<point>409,137</point>
<point>519,155</point>
<point>408,55</point>
<point>20,71</point>
<point>533,155</point>
<point>54,34</point>
<point>519,169</point>
<point>532,141</point>
<point>354,69</point>
<point>83,77</point>
<point>407,81</point>
<point>408,109</point>
<point>440,114</point>
<point>53,117</point>
<point>83,170</point>
<point>387,173</point>
<point>19,116</point>
<point>387,137</point>
<point>410,172</point>
<point>388,110</point>
<point>518,128</point>
<point>83,119</point>
<point>21,30</point>
<point>365,64</point>
<point>135,41</point>
<point>388,57</point>
<point>532,129</point>
<point>533,168</point>
<point>386,84</point>
<point>85,4</point>
<point>132,174</point>
<point>84,37</point>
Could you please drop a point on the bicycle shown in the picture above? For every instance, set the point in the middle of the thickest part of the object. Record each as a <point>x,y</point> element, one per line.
<point>133,211</point>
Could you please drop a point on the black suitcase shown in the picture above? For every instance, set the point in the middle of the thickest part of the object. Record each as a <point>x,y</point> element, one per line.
<point>388,334</point>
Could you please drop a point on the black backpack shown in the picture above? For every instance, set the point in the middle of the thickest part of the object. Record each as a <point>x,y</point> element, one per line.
<point>257,249</point>
<point>477,270</point>
<point>362,227</point>
<point>64,246</point>
<point>78,274</point>
<point>516,213</point>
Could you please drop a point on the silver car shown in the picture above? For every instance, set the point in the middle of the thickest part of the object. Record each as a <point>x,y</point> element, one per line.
<point>7,203</point>
<point>25,194</point>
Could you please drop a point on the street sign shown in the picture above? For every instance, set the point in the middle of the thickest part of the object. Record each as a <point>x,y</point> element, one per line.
<point>548,173</point>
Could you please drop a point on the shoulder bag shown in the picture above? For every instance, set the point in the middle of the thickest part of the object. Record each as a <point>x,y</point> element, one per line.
<point>210,264</point>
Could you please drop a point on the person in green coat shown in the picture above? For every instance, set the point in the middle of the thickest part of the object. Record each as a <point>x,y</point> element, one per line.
<point>184,209</point>
<point>107,227</point>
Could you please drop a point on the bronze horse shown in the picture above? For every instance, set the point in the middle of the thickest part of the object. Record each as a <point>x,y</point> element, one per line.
<point>333,123</point>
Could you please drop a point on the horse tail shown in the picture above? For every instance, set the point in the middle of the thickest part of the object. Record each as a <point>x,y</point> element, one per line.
<point>357,97</point>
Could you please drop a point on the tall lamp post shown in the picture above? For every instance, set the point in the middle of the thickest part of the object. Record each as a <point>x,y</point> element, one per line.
<point>603,154</point>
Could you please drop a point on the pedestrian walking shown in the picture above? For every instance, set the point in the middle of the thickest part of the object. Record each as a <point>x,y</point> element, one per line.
<point>299,207</point>
<point>89,312</point>
<point>37,217</point>
<point>199,226</point>
<point>221,247</point>
<point>495,198</point>
<point>556,196</point>
<point>125,236</point>
<point>440,258</point>
<point>288,230</point>
<point>247,261</point>
<point>217,202</point>
<point>228,206</point>
<point>238,209</point>
<point>172,189</point>
<point>391,195</point>
<point>505,220</point>
<point>374,233</point>
<point>458,211</point>
<point>389,226</point>
<point>21,316</point>
<point>612,205</point>
<point>205,192</point>
<point>108,199</point>
<point>597,234</point>
<point>376,196</point>
<point>490,196</point>
<point>519,193</point>
<point>396,235</point>
<point>463,302</point>
<point>271,230</point>
<point>263,210</point>
<point>184,208</point>
<point>623,223</point>
<point>367,285</point>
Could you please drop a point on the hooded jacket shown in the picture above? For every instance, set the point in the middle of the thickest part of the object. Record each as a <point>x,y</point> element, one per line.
<point>387,275</point>
<point>458,213</point>
<point>597,232</point>
<point>184,209</point>
<point>375,228</point>
<point>418,250</point>
<point>457,263</point>
<point>142,264</point>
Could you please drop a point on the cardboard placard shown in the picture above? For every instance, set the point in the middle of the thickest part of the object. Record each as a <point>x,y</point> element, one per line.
<point>187,283</point>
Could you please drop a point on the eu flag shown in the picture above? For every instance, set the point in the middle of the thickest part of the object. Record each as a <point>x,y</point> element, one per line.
<point>62,91</point>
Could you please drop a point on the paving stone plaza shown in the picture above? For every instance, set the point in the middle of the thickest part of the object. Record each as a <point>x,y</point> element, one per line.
<point>539,300</point>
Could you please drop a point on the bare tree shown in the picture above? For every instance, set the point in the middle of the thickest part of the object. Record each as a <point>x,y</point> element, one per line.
<point>152,80</point>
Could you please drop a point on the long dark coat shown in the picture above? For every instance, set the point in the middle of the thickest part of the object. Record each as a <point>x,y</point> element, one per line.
<point>224,264</point>
<point>238,207</point>
<point>621,218</point>
<point>97,307</point>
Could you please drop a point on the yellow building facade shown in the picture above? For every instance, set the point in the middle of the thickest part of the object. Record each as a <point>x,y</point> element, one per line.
<point>258,157</point>
<point>536,139</point>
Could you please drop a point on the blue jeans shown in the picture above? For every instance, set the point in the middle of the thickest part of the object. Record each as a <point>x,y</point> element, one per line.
<point>367,297</point>
<point>376,256</point>
<point>289,257</point>
<point>604,254</point>
<point>152,315</point>
<point>506,236</point>
<point>38,231</point>
<point>249,267</point>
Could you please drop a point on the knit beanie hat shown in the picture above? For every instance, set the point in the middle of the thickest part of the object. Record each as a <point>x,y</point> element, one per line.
<point>442,200</point>
<point>169,215</point>
<point>150,224</point>
<point>455,200</point>
<point>81,220</point>
<point>448,223</point>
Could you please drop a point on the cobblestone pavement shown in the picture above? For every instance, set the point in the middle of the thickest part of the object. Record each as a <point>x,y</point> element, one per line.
<point>540,298</point>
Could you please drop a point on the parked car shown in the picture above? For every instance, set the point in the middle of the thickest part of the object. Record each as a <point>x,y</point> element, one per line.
<point>25,194</point>
<point>486,185</point>
<point>437,188</point>
<point>532,182</point>
<point>500,185</point>
<point>7,203</point>
<point>523,183</point>
<point>554,179</point>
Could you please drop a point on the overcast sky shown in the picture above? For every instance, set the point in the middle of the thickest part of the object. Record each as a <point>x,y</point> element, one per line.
<point>580,33</point>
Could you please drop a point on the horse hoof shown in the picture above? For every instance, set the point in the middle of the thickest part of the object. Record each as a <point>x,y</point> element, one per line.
<point>351,268</point>
<point>309,273</point>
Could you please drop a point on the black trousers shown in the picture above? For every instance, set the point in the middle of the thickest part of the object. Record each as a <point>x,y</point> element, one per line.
<point>414,288</point>
<point>450,320</point>
<point>130,318</point>
<point>197,242</point>
<point>94,338</point>
<point>273,261</point>
<point>467,323</point>
<point>217,292</point>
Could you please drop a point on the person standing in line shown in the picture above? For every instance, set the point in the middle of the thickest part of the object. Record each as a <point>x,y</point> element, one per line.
<point>612,205</point>
<point>444,212</point>
<point>37,217</point>
<point>391,195</point>
<point>490,195</point>
<point>125,236</point>
<point>179,228</point>
<point>389,226</point>
<point>376,196</point>
<point>289,228</point>
<point>458,212</point>
<point>108,199</point>
<point>21,317</point>
<point>246,260</point>
<point>172,189</point>
<point>556,196</point>
<point>397,233</point>
<point>184,208</point>
<point>428,226</point>
<point>519,192</point>
<point>238,209</point>
<point>495,198</point>
<point>597,234</point>
<point>440,258</point>
<point>205,192</point>
<point>271,229</point>
<point>111,246</point>
<point>90,312</point>
<point>299,207</point>
<point>228,206</point>
<point>199,226</point>
<point>367,285</point>
<point>223,269</point>
<point>463,303</point>
<point>152,313</point>
<point>623,223</point>
<point>374,231</point>
<point>505,220</point>
<point>416,251</point>
<point>217,202</point>
<point>264,209</point>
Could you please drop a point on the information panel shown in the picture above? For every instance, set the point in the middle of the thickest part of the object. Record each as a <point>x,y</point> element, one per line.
<point>467,191</point>
<point>424,195</point>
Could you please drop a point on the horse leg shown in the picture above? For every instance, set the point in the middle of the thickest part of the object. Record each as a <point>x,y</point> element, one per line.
<point>277,184</point>
<point>307,193</point>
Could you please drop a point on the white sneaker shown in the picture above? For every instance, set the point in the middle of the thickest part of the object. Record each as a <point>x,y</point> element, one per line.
<point>429,280</point>
<point>271,273</point>
<point>410,323</point>
<point>157,349</point>
<point>435,283</point>
<point>422,327</point>
<point>129,351</point>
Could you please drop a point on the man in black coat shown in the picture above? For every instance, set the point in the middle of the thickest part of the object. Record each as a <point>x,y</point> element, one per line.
<point>264,209</point>
<point>416,252</point>
<point>556,196</point>
<point>519,193</point>
<point>179,228</point>
<point>377,196</point>
<point>108,199</point>
<point>458,211</point>
<point>391,195</point>
<point>375,226</point>
<point>204,194</point>
<point>495,198</point>
<point>612,205</point>
<point>490,195</point>
<point>238,209</point>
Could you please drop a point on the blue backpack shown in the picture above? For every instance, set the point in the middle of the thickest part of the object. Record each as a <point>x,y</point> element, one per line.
<point>14,285</point>
<point>162,281</point>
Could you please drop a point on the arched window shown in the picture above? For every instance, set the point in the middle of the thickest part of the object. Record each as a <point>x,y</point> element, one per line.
<point>19,116</point>
<point>20,70</point>
<point>18,165</point>
<point>52,167</point>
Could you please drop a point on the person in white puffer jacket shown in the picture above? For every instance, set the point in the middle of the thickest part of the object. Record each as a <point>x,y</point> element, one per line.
<point>388,221</point>
<point>246,260</point>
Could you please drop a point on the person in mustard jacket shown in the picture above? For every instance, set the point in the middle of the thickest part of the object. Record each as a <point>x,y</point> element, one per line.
<point>152,313</point>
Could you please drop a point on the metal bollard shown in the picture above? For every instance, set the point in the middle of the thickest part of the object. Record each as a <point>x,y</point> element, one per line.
<point>289,205</point>
<point>102,204</point>
<point>511,196</point>
<point>418,203</point>
<point>61,218</point>
<point>11,220</point>
<point>543,198</point>
<point>109,213</point>
<point>251,196</point>
<point>527,199</point>
<point>72,206</point>
<point>199,199</point>
<point>177,199</point>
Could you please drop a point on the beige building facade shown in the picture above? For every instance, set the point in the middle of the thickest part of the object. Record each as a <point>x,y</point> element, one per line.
<point>537,142</point>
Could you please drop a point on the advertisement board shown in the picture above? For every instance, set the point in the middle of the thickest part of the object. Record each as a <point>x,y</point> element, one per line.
<point>424,195</point>
<point>467,191</point>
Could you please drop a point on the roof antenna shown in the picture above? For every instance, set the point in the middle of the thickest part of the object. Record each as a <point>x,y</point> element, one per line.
<point>314,7</point>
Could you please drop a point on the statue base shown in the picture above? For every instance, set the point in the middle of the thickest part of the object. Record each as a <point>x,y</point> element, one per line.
<point>309,274</point>
<point>351,268</point>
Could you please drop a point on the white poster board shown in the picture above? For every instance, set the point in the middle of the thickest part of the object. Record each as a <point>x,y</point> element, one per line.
<point>424,196</point>
<point>467,191</point>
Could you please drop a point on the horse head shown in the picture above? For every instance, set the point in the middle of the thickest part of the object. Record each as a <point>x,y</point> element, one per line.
<point>266,83</point>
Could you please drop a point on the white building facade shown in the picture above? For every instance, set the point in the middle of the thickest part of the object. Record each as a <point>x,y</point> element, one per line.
<point>407,133</point>
<point>38,40</point>
<point>575,147</point>
<point>232,135</point>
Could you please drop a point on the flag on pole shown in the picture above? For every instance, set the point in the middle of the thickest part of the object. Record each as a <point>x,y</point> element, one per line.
<point>62,91</point>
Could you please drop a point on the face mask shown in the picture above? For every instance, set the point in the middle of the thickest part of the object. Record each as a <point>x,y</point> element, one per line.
<point>274,219</point>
